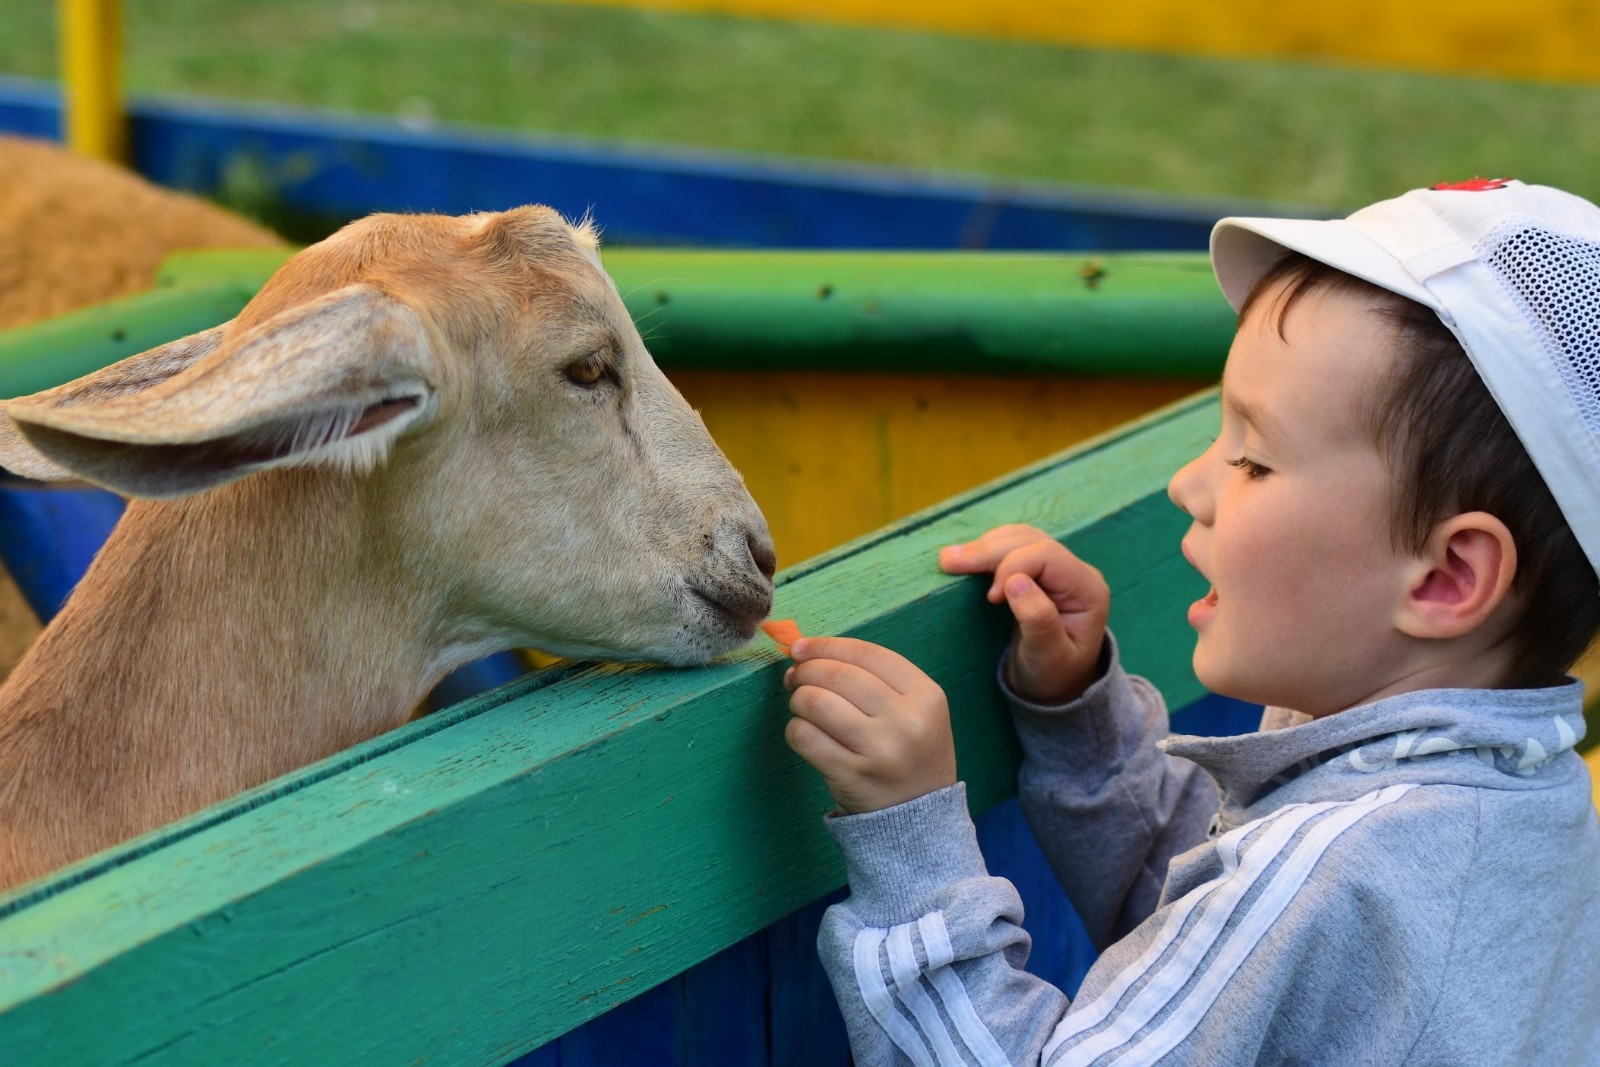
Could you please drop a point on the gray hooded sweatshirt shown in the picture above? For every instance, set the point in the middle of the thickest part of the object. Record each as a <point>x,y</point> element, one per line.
<point>1412,881</point>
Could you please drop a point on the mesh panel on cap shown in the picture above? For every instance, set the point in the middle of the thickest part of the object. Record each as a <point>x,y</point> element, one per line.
<point>1555,278</point>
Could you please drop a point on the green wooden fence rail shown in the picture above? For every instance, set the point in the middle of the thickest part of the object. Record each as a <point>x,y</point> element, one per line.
<point>1128,315</point>
<point>473,885</point>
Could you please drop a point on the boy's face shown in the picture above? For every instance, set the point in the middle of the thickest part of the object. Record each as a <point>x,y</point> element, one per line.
<point>1291,515</point>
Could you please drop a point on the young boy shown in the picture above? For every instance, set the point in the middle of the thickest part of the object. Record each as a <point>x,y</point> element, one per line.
<point>1400,519</point>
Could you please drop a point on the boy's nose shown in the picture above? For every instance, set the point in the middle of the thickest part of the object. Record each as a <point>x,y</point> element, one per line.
<point>1184,489</point>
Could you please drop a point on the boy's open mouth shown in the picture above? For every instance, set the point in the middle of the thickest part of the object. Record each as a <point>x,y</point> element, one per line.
<point>1200,611</point>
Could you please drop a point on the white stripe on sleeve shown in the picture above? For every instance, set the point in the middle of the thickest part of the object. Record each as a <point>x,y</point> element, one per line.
<point>875,993</point>
<point>908,983</point>
<point>1255,925</point>
<point>1096,1011</point>
<point>1237,881</point>
<point>936,943</point>
<point>1215,901</point>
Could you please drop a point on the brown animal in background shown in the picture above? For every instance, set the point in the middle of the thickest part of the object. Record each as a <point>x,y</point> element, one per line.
<point>426,439</point>
<point>76,231</point>
<point>18,627</point>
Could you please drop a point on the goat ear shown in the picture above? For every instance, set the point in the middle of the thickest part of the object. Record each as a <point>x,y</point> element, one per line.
<point>122,378</point>
<point>335,381</point>
<point>19,457</point>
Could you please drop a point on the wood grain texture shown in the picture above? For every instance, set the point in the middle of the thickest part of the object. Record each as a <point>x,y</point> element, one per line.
<point>470,887</point>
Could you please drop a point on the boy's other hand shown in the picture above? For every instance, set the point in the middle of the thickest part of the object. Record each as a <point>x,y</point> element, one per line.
<point>874,726</point>
<point>1059,601</point>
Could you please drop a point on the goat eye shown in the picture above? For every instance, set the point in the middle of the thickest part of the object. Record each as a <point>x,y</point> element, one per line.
<point>588,371</point>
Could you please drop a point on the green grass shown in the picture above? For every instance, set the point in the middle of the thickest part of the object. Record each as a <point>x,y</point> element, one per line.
<point>1286,132</point>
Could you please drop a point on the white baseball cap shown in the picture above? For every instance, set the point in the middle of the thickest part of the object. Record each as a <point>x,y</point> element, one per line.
<point>1512,269</point>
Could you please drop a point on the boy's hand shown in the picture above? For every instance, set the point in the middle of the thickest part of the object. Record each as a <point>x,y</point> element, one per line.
<point>874,726</point>
<point>1060,603</point>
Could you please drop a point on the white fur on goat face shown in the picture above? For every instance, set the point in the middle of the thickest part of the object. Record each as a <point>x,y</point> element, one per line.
<point>477,385</point>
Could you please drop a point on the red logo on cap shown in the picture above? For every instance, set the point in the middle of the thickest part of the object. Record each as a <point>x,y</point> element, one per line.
<point>1476,185</point>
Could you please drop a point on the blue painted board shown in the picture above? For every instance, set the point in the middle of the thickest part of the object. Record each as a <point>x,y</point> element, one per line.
<point>48,536</point>
<point>806,1027</point>
<point>344,167</point>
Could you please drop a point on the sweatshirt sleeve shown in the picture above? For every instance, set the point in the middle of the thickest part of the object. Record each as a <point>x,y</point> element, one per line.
<point>926,954</point>
<point>1108,808</point>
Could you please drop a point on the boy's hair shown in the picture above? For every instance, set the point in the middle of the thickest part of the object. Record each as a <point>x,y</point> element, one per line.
<point>1450,450</point>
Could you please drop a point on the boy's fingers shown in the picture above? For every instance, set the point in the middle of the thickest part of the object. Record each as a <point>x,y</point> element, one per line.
<point>812,744</point>
<point>860,687</point>
<point>1071,584</point>
<point>982,555</point>
<point>899,673</point>
<point>831,713</point>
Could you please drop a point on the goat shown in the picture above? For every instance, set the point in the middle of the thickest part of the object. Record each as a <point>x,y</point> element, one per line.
<point>426,439</point>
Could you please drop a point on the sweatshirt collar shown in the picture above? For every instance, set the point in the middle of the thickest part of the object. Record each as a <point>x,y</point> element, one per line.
<point>1496,737</point>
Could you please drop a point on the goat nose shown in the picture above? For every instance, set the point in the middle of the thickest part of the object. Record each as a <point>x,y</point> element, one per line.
<point>762,553</point>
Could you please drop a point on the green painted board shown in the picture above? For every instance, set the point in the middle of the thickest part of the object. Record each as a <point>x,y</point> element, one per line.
<point>470,886</point>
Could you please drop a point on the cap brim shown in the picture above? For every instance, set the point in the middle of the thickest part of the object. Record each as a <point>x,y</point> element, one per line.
<point>1243,249</point>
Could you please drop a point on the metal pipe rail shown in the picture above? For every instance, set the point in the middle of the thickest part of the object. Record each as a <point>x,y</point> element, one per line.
<point>1125,315</point>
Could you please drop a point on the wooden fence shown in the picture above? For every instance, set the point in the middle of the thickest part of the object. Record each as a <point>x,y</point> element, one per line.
<point>471,887</point>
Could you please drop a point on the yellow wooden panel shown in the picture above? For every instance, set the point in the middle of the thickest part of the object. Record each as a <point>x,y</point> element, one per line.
<point>1587,670</point>
<point>832,456</point>
<point>1593,760</point>
<point>1557,39</point>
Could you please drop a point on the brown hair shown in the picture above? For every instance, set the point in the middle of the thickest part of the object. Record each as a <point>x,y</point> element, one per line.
<point>1450,450</point>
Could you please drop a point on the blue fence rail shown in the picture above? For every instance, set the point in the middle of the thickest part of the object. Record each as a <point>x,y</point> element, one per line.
<point>344,167</point>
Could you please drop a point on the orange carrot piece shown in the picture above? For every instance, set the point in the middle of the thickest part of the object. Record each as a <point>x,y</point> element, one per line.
<point>783,632</point>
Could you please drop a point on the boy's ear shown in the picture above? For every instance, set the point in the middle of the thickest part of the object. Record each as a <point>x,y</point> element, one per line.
<point>1460,579</point>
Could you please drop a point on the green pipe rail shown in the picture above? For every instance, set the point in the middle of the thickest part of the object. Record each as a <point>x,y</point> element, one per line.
<point>474,884</point>
<point>1126,315</point>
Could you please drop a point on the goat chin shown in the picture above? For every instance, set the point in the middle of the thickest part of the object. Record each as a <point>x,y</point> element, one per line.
<point>330,490</point>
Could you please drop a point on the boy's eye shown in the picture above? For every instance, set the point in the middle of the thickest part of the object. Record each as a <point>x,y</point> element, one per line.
<point>1252,470</point>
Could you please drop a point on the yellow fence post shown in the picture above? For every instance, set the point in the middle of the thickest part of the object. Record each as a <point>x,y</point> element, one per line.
<point>91,67</point>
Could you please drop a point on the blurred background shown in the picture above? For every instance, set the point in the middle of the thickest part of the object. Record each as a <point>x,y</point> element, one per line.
<point>1317,105</point>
